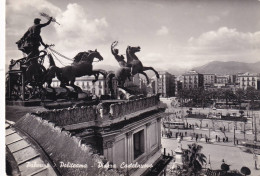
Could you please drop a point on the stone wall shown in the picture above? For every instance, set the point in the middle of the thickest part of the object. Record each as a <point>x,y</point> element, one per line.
<point>128,107</point>
<point>63,117</point>
<point>61,147</point>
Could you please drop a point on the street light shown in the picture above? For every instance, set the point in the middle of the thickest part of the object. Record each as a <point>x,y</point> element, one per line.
<point>234,135</point>
<point>209,162</point>
<point>255,157</point>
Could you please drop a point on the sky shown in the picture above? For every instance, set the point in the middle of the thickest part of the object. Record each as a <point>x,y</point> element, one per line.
<point>171,33</point>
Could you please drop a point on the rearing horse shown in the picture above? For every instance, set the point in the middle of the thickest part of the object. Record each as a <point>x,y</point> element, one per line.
<point>81,66</point>
<point>136,64</point>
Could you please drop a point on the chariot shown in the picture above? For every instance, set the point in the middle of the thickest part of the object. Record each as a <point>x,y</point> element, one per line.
<point>21,85</point>
<point>17,84</point>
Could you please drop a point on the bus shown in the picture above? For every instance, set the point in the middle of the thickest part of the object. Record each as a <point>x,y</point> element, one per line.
<point>174,125</point>
<point>250,147</point>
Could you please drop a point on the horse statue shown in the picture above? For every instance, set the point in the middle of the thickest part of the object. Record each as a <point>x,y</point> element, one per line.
<point>81,66</point>
<point>123,72</point>
<point>131,67</point>
<point>136,64</point>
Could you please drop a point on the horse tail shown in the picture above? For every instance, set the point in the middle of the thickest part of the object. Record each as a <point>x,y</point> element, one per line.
<point>51,60</point>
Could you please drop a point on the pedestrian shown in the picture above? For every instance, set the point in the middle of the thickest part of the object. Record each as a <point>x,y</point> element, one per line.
<point>216,137</point>
<point>185,133</point>
<point>223,139</point>
<point>197,138</point>
<point>227,139</point>
<point>237,141</point>
<point>176,135</point>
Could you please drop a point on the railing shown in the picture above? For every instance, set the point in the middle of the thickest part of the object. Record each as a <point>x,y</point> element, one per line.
<point>121,109</point>
<point>69,116</point>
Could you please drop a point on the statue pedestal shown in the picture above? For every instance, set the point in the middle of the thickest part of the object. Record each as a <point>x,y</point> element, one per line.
<point>178,164</point>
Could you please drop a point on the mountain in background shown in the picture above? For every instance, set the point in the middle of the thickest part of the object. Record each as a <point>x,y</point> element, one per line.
<point>215,67</point>
<point>105,67</point>
<point>231,67</point>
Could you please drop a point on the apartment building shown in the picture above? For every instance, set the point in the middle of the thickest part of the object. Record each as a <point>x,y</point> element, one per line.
<point>192,79</point>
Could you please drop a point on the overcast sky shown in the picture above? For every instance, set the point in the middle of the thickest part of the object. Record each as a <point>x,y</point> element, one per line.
<point>171,33</point>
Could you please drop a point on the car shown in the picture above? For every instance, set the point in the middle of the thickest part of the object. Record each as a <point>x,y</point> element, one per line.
<point>214,108</point>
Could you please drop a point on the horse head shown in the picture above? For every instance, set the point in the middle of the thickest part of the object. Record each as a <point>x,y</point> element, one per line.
<point>131,50</point>
<point>82,56</point>
<point>95,54</point>
<point>130,53</point>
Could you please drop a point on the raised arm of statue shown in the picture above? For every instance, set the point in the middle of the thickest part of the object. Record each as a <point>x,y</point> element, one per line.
<point>113,47</point>
<point>45,24</point>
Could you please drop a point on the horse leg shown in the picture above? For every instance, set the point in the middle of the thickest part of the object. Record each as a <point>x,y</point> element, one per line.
<point>100,72</point>
<point>96,74</point>
<point>76,88</point>
<point>129,75</point>
<point>151,68</point>
<point>147,79</point>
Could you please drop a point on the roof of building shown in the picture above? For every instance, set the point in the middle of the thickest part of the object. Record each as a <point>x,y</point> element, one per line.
<point>191,72</point>
<point>249,74</point>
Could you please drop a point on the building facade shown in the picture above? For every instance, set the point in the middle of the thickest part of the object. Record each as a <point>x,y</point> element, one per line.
<point>222,79</point>
<point>100,137</point>
<point>249,80</point>
<point>192,79</point>
<point>98,88</point>
<point>165,85</point>
<point>209,79</point>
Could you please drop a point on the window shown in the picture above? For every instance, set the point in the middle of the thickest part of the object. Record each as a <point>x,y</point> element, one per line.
<point>138,144</point>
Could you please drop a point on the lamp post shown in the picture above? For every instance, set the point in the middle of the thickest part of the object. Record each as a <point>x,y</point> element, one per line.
<point>234,135</point>
<point>209,132</point>
<point>209,162</point>
<point>255,127</point>
<point>255,157</point>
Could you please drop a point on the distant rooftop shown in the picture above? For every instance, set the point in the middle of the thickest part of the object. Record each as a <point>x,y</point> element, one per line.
<point>192,72</point>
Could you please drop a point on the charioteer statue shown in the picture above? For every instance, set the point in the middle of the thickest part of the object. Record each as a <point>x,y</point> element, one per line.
<point>121,60</point>
<point>29,44</point>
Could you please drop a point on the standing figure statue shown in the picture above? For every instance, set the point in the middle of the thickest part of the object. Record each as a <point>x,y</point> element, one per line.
<point>29,44</point>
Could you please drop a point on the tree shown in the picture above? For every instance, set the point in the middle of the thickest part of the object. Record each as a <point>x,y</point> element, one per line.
<point>241,113</point>
<point>225,167</point>
<point>194,158</point>
<point>240,95</point>
<point>245,170</point>
<point>228,95</point>
<point>252,94</point>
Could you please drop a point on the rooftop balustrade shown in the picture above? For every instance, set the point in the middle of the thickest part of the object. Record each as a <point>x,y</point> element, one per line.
<point>101,112</point>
